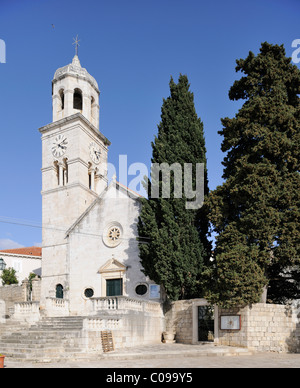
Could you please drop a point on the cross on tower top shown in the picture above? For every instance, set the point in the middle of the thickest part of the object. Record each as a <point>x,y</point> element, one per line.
<point>76,43</point>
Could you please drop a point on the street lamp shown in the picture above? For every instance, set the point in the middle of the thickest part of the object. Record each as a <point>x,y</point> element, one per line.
<point>2,264</point>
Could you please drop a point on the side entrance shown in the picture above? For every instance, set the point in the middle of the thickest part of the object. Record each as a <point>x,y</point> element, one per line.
<point>205,322</point>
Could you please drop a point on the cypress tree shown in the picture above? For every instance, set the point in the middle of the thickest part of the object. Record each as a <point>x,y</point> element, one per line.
<point>174,245</point>
<point>255,212</point>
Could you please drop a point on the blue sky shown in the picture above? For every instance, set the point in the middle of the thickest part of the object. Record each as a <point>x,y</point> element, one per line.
<point>132,48</point>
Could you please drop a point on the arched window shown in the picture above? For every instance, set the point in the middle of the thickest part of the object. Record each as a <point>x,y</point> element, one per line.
<point>56,168</point>
<point>93,105</point>
<point>62,99</point>
<point>65,172</point>
<point>59,291</point>
<point>77,103</point>
<point>61,172</point>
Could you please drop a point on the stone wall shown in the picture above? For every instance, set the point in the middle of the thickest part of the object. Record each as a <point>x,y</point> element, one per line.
<point>133,321</point>
<point>15,293</point>
<point>2,311</point>
<point>129,329</point>
<point>179,320</point>
<point>12,294</point>
<point>264,327</point>
<point>138,328</point>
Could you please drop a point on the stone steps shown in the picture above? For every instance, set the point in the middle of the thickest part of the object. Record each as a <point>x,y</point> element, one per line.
<point>51,338</point>
<point>37,341</point>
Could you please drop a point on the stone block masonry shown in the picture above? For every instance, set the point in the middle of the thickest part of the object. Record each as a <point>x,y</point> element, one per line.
<point>179,320</point>
<point>2,311</point>
<point>264,327</point>
<point>15,293</point>
<point>12,294</point>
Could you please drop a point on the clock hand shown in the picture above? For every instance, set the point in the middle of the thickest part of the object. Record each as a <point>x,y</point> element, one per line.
<point>62,146</point>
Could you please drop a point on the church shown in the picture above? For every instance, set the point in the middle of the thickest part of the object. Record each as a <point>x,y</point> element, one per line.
<point>93,296</point>
<point>89,238</point>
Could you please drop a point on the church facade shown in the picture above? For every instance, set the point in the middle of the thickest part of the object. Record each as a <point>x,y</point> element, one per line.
<point>90,247</point>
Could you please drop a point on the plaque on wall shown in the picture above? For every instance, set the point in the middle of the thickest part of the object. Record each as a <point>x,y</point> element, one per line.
<point>154,291</point>
<point>230,322</point>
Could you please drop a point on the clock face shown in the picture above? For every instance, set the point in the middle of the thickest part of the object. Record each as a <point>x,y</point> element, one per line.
<point>95,152</point>
<point>59,146</point>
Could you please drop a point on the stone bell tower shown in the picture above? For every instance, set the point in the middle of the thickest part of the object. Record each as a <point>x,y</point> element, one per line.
<point>74,89</point>
<point>74,168</point>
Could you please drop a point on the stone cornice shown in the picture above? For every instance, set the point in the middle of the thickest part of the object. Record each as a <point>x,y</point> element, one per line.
<point>77,72</point>
<point>71,119</point>
<point>68,187</point>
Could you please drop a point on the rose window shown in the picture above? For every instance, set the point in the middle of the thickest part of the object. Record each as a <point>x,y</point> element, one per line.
<point>114,234</point>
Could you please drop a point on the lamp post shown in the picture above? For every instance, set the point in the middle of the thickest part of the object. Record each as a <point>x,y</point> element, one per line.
<point>2,264</point>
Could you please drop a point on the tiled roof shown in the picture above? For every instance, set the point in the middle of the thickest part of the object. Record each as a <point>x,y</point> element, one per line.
<point>30,251</point>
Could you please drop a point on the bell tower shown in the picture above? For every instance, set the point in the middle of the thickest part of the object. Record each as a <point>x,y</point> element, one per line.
<point>75,90</point>
<point>74,167</point>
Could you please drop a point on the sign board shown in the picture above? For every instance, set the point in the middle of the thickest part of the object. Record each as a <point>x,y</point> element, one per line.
<point>230,322</point>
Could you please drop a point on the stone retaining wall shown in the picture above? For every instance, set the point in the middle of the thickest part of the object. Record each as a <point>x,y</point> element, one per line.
<point>12,294</point>
<point>264,327</point>
<point>15,293</point>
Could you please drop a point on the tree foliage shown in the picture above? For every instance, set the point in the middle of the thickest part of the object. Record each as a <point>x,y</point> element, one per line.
<point>174,243</point>
<point>9,277</point>
<point>256,211</point>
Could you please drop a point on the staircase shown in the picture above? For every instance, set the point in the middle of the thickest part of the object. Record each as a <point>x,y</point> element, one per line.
<point>49,339</point>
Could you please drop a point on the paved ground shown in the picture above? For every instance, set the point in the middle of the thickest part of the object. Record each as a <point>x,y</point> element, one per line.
<point>174,356</point>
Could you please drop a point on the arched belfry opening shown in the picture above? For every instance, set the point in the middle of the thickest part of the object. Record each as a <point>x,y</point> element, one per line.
<point>62,99</point>
<point>93,105</point>
<point>77,101</point>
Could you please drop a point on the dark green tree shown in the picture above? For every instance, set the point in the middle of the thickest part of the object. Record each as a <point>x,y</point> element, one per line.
<point>256,211</point>
<point>9,277</point>
<point>173,239</point>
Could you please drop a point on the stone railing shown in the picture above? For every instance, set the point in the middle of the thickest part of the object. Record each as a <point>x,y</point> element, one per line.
<point>122,303</point>
<point>27,311</point>
<point>57,307</point>
<point>98,324</point>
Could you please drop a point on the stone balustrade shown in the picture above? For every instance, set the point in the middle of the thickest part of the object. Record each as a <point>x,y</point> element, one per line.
<point>98,324</point>
<point>124,303</point>
<point>57,307</point>
<point>27,311</point>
